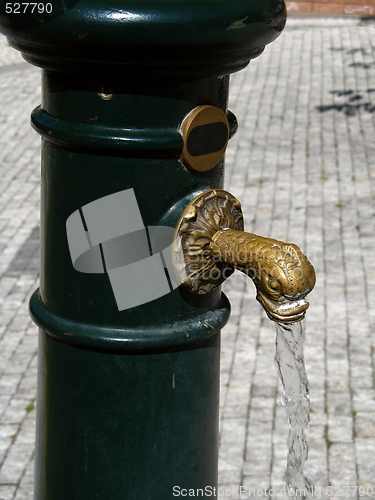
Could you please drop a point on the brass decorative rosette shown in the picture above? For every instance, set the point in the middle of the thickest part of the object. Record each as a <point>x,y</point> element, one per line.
<point>208,213</point>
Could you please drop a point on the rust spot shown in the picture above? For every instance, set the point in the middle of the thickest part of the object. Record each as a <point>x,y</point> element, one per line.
<point>83,35</point>
<point>173,382</point>
<point>187,335</point>
<point>68,334</point>
<point>49,132</point>
<point>40,19</point>
<point>94,118</point>
<point>207,325</point>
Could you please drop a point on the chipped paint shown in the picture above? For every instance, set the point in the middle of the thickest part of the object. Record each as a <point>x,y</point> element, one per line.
<point>238,24</point>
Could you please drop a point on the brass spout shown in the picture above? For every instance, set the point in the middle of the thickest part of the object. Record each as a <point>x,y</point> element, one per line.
<point>282,274</point>
<point>210,244</point>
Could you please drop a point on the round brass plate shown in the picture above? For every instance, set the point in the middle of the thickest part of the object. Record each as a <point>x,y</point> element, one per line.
<point>205,132</point>
<point>209,212</point>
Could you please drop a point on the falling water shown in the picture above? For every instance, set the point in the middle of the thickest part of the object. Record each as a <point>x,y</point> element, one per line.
<point>292,373</point>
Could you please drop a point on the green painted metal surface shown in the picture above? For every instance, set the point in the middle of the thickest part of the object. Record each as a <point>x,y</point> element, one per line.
<point>127,399</point>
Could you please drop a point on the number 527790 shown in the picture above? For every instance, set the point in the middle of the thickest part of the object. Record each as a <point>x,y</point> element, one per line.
<point>30,8</point>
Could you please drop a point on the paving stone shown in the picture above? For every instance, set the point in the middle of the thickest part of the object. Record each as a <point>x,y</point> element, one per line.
<point>364,424</point>
<point>365,460</point>
<point>19,453</point>
<point>15,411</point>
<point>364,400</point>
<point>9,383</point>
<point>339,404</point>
<point>7,492</point>
<point>342,464</point>
<point>232,444</point>
<point>340,428</point>
<point>25,489</point>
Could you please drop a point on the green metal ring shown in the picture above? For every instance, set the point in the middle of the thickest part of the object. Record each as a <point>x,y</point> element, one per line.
<point>64,132</point>
<point>143,338</point>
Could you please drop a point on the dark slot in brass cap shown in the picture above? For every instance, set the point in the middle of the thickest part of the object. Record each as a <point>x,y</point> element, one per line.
<point>205,132</point>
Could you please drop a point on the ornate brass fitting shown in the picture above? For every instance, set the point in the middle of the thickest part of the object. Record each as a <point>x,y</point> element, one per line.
<point>210,244</point>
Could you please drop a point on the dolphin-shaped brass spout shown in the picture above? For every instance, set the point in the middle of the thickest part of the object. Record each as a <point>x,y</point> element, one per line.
<point>210,243</point>
<point>282,274</point>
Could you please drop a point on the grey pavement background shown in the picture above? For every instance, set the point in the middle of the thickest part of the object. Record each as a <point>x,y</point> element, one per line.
<point>303,166</point>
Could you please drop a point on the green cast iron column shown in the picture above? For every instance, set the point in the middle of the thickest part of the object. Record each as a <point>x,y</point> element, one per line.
<point>127,399</point>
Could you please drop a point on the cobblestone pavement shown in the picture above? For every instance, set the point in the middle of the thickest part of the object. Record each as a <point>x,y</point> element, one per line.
<point>303,165</point>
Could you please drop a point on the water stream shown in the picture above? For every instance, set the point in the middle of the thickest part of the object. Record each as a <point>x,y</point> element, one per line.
<point>292,373</point>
